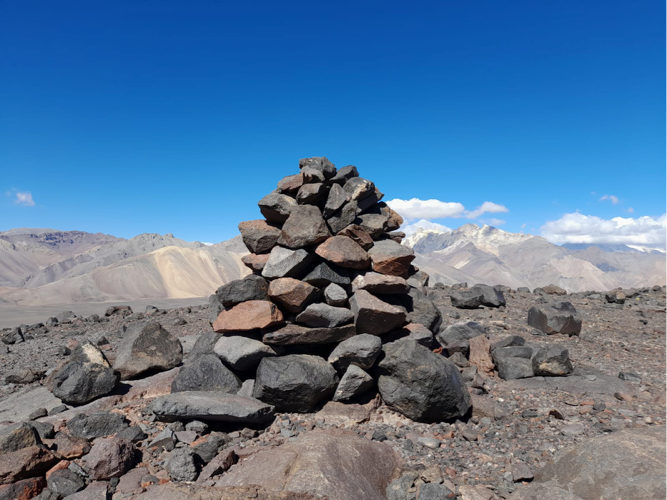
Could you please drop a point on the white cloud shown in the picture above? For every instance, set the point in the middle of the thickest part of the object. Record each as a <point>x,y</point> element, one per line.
<point>486,207</point>
<point>415,208</point>
<point>631,210</point>
<point>426,209</point>
<point>610,197</point>
<point>494,222</point>
<point>580,228</point>
<point>424,224</point>
<point>24,198</point>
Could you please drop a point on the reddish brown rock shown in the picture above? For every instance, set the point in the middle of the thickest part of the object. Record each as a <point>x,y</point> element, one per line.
<point>110,457</point>
<point>221,463</point>
<point>291,183</point>
<point>259,236</point>
<point>25,463</point>
<point>248,316</point>
<point>334,463</point>
<point>375,316</point>
<point>23,490</point>
<point>304,226</point>
<point>361,237</point>
<point>480,354</point>
<point>292,294</point>
<point>343,251</point>
<point>68,447</point>
<point>391,258</point>
<point>255,262</point>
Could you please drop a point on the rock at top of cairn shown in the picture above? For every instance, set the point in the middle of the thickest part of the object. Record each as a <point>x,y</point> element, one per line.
<point>329,276</point>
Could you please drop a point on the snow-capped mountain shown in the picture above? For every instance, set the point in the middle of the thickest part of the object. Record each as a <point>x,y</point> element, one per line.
<point>490,255</point>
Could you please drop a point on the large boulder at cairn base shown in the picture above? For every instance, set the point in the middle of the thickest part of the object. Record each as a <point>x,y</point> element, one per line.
<point>558,317</point>
<point>420,384</point>
<point>78,383</point>
<point>147,347</point>
<point>334,463</point>
<point>294,383</point>
<point>248,316</point>
<point>625,464</point>
<point>375,316</point>
<point>211,406</point>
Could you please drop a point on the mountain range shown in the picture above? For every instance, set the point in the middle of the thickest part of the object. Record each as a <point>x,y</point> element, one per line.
<point>50,267</point>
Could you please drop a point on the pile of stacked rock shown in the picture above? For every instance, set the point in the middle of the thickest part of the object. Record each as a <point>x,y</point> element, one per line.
<point>334,306</point>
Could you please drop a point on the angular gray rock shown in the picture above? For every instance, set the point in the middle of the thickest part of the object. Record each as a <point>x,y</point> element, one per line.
<point>96,425</point>
<point>181,465</point>
<point>522,351</point>
<point>204,345</point>
<point>147,347</point>
<point>374,316</point>
<point>389,257</point>
<point>15,336</point>
<point>557,317</point>
<point>335,295</point>
<point>319,163</point>
<point>415,331</point>
<point>336,199</point>
<point>304,227</point>
<point>211,406</point>
<point>300,335</point>
<point>358,188</point>
<point>344,174</point>
<point>64,482</point>
<point>311,193</point>
<point>325,316</point>
<point>276,207</point>
<point>420,384</point>
<point>343,217</point>
<point>251,287</point>
<point>242,353</point>
<point>552,361</point>
<point>467,299</point>
<point>77,383</point>
<point>353,383</point>
<point>463,330</point>
<point>361,350</point>
<point>206,373</point>
<point>294,383</point>
<point>286,263</point>
<point>215,307</point>
<point>514,368</point>
<point>326,273</point>
<point>491,297</point>
<point>110,457</point>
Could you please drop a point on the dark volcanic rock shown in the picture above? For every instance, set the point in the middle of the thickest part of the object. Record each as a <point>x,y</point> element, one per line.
<point>336,199</point>
<point>353,383</point>
<point>319,163</point>
<point>15,336</point>
<point>211,406</point>
<point>206,373</point>
<point>16,436</point>
<point>204,345</point>
<point>277,207</point>
<point>286,263</point>
<point>361,350</point>
<point>96,425</point>
<point>514,368</point>
<point>147,347</point>
<point>299,335</point>
<point>77,383</point>
<point>311,193</point>
<point>335,295</point>
<point>241,353</point>
<point>294,383</point>
<point>558,317</point>
<point>391,258</point>
<point>110,457</point>
<point>325,316</point>
<point>491,297</point>
<point>463,330</point>
<point>304,227</point>
<point>344,174</point>
<point>552,361</point>
<point>290,184</point>
<point>374,316</point>
<point>249,288</point>
<point>467,299</point>
<point>420,384</point>
<point>326,273</point>
<point>64,482</point>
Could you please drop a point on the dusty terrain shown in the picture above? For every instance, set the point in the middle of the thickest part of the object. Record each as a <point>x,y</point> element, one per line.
<point>514,424</point>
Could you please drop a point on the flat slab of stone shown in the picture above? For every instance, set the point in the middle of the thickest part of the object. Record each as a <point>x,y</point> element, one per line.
<point>251,315</point>
<point>287,263</point>
<point>297,334</point>
<point>343,251</point>
<point>380,283</point>
<point>211,406</point>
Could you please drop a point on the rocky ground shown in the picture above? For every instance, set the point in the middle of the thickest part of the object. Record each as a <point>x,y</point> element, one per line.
<point>516,427</point>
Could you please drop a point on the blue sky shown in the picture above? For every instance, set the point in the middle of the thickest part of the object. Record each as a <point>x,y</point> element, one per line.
<point>160,116</point>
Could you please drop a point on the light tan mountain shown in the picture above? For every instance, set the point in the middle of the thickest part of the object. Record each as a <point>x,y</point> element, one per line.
<point>100,268</point>
<point>489,255</point>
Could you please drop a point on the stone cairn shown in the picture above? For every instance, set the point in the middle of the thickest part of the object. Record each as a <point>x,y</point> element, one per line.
<point>334,307</point>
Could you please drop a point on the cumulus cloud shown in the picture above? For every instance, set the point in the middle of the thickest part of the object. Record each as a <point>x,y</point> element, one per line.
<point>414,209</point>
<point>486,207</point>
<point>580,228</point>
<point>23,198</point>
<point>610,197</point>
<point>424,224</point>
